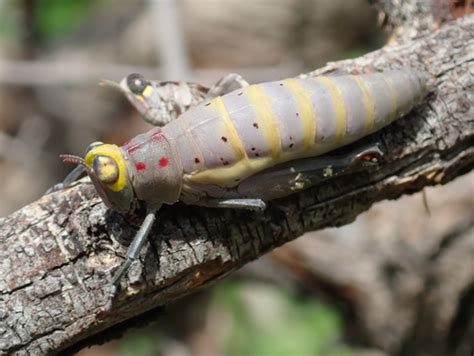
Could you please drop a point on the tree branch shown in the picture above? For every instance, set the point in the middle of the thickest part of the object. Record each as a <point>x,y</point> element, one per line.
<point>58,253</point>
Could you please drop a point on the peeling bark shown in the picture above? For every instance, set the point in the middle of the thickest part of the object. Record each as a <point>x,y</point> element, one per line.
<point>57,253</point>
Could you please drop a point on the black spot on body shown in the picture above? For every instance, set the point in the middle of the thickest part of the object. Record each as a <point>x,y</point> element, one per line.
<point>225,163</point>
<point>255,125</point>
<point>253,148</point>
<point>291,145</point>
<point>257,155</point>
<point>207,104</point>
<point>196,160</point>
<point>223,138</point>
<point>240,93</point>
<point>297,114</point>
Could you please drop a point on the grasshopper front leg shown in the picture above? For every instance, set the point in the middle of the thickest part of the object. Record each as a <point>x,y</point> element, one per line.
<point>132,254</point>
<point>74,175</point>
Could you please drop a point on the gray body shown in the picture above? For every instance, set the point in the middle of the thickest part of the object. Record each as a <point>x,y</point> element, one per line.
<point>218,148</point>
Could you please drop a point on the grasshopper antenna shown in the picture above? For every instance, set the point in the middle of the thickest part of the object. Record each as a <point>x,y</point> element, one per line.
<point>74,175</point>
<point>110,83</point>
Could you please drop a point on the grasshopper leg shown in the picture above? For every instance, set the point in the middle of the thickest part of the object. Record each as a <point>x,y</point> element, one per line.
<point>226,84</point>
<point>70,178</point>
<point>235,203</point>
<point>290,177</point>
<point>132,254</point>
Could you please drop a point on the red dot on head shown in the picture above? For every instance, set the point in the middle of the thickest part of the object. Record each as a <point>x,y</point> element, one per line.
<point>163,162</point>
<point>140,166</point>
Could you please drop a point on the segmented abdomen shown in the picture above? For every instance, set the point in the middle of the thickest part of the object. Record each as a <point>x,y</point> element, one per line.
<point>234,136</point>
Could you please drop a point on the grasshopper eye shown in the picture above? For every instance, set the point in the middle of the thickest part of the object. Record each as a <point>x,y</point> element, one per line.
<point>136,83</point>
<point>105,169</point>
<point>93,145</point>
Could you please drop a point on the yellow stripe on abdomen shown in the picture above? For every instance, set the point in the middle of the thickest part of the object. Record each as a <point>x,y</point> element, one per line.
<point>232,135</point>
<point>393,96</point>
<point>229,176</point>
<point>368,102</point>
<point>266,119</point>
<point>306,111</point>
<point>339,107</point>
<point>243,167</point>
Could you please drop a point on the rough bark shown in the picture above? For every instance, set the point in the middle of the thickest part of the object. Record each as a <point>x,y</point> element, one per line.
<point>57,253</point>
<point>402,278</point>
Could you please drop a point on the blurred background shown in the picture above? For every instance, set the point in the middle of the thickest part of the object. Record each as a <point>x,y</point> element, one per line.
<point>311,297</point>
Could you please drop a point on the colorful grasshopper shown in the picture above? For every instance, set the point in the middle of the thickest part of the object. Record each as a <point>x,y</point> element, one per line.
<point>160,102</point>
<point>247,147</point>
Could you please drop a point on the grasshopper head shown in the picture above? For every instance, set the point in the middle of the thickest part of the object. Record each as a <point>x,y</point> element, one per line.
<point>107,168</point>
<point>139,91</point>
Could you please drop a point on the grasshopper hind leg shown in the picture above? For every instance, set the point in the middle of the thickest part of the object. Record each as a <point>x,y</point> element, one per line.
<point>290,177</point>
